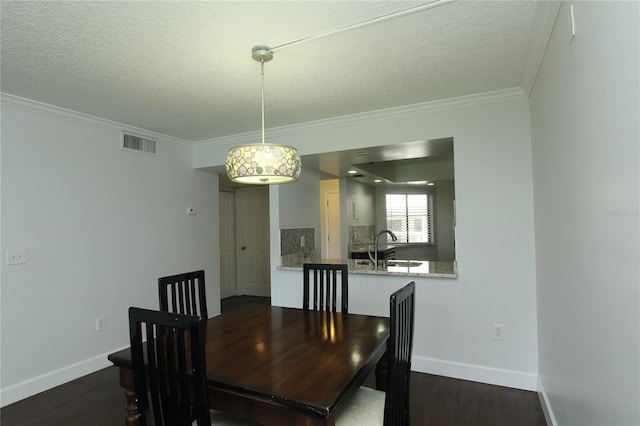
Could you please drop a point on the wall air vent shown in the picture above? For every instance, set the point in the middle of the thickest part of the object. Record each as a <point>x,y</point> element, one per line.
<point>139,144</point>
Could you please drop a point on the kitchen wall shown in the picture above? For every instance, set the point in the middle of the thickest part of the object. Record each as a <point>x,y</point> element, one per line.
<point>99,225</point>
<point>494,236</point>
<point>586,157</point>
<point>366,212</point>
<point>361,213</point>
<point>445,222</point>
<point>444,235</point>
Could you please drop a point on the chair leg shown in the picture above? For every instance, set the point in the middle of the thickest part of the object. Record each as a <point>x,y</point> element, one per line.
<point>382,370</point>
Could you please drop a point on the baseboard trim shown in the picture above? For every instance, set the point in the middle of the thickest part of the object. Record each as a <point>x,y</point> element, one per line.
<point>476,373</point>
<point>546,405</point>
<point>44,382</point>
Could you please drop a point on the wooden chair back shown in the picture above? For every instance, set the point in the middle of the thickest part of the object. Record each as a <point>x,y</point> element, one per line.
<point>184,294</point>
<point>169,374</point>
<point>399,349</point>
<point>322,284</point>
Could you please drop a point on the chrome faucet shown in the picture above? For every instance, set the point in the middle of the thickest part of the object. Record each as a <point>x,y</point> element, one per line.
<point>374,258</point>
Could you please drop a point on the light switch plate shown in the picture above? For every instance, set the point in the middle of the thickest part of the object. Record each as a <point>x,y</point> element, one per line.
<point>572,24</point>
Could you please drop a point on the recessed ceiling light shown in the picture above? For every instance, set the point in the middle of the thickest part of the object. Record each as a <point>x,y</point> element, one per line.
<point>377,180</point>
<point>418,182</point>
<point>352,172</point>
<point>430,184</point>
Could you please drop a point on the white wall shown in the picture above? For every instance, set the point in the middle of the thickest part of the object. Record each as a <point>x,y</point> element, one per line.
<point>293,207</point>
<point>495,245</point>
<point>586,156</point>
<point>99,225</point>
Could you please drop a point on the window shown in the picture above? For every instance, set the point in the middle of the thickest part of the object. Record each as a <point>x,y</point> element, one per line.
<point>409,217</point>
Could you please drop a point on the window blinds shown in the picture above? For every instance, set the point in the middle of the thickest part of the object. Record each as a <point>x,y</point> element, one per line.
<point>409,217</point>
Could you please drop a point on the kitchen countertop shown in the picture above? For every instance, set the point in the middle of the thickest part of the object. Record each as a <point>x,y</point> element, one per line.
<point>359,266</point>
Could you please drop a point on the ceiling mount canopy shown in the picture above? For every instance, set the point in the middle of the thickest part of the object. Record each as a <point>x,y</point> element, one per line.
<point>263,163</point>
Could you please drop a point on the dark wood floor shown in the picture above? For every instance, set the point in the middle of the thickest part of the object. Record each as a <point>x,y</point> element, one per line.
<point>98,400</point>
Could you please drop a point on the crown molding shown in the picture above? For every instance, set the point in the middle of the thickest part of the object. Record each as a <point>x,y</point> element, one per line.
<point>546,15</point>
<point>17,102</point>
<point>469,101</point>
<point>462,102</point>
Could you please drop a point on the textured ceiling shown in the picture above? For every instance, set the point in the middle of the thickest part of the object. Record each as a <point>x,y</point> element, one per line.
<point>184,69</point>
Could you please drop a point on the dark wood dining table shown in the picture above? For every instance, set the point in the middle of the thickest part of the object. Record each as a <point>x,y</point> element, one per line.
<point>281,366</point>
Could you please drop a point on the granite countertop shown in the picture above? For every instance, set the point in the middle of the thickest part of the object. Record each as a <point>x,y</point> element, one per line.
<point>420,268</point>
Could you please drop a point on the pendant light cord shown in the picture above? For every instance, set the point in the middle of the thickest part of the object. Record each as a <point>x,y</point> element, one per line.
<point>262,90</point>
<point>382,18</point>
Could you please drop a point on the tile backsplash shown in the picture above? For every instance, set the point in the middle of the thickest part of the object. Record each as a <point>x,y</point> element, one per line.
<point>290,240</point>
<point>361,234</point>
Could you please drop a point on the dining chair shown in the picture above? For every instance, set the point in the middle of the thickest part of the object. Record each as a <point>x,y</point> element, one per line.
<point>183,294</point>
<point>169,374</point>
<point>391,408</point>
<point>169,370</point>
<point>322,282</point>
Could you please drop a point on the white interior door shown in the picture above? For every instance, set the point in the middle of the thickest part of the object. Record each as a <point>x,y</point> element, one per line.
<point>227,245</point>
<point>252,240</point>
<point>333,225</point>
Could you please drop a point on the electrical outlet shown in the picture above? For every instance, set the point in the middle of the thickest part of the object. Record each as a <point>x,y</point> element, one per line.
<point>498,331</point>
<point>101,323</point>
<point>16,256</point>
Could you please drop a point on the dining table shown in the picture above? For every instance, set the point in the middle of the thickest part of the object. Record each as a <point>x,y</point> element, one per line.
<point>282,366</point>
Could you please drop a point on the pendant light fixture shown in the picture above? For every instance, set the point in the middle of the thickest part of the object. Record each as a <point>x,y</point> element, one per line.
<point>263,163</point>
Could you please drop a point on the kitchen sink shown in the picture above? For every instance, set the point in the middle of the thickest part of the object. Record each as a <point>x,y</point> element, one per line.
<point>403,263</point>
